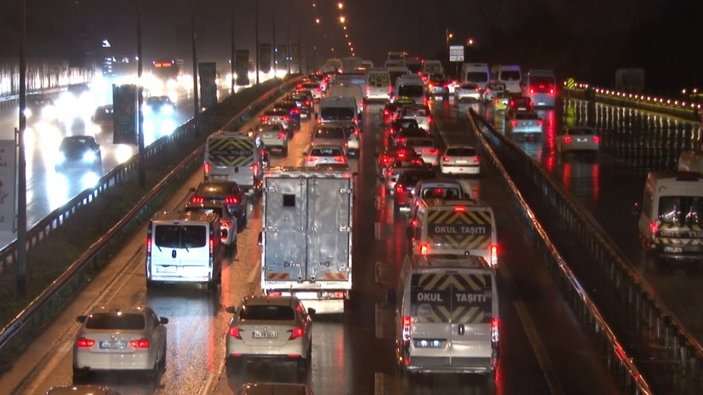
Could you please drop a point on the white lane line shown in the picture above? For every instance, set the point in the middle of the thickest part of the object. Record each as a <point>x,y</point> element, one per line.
<point>378,383</point>
<point>543,360</point>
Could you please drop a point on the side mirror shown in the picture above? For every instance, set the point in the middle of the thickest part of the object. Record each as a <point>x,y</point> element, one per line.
<point>231,309</point>
<point>636,209</point>
<point>311,312</point>
<point>81,318</point>
<point>163,320</point>
<point>391,298</point>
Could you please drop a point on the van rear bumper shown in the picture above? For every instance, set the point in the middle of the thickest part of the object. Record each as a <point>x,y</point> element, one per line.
<point>182,274</point>
<point>450,365</point>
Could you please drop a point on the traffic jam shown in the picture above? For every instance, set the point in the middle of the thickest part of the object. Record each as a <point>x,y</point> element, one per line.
<point>283,196</point>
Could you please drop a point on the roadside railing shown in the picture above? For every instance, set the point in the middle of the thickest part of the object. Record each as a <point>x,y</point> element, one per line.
<point>23,329</point>
<point>645,346</point>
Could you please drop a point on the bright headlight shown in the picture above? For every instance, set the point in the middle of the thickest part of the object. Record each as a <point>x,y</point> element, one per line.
<point>89,157</point>
<point>147,110</point>
<point>60,158</point>
<point>167,110</point>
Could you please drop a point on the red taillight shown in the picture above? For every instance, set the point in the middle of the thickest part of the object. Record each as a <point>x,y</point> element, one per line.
<point>476,159</point>
<point>429,119</point>
<point>401,155</point>
<point>407,321</point>
<point>234,332</point>
<point>339,159</point>
<point>552,91</point>
<point>401,140</point>
<point>286,118</point>
<point>206,167</point>
<point>212,247</point>
<point>148,245</point>
<point>296,333</point>
<point>254,167</point>
<point>399,189</point>
<point>386,160</point>
<point>275,294</point>
<point>513,122</point>
<point>140,343</point>
<point>596,139</point>
<point>295,111</point>
<point>197,199</point>
<point>539,122</point>
<point>311,159</point>
<point>568,139</point>
<point>495,329</point>
<point>85,342</point>
<point>282,135</point>
<point>494,255</point>
<point>231,200</point>
<point>307,103</point>
<point>445,159</point>
<point>459,209</point>
<point>653,227</point>
<point>263,118</point>
<point>424,249</point>
<point>532,90</point>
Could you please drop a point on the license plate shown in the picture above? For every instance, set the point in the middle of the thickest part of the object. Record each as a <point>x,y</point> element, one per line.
<point>264,335</point>
<point>582,140</point>
<point>113,344</point>
<point>673,249</point>
<point>461,161</point>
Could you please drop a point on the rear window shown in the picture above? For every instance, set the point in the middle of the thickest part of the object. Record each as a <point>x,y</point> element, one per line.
<point>461,151</point>
<point>337,113</point>
<point>451,297</point>
<point>534,80</point>
<point>420,142</point>
<point>329,133</point>
<point>416,112</point>
<point>681,210</point>
<point>115,321</point>
<point>440,193</point>
<point>207,210</point>
<point>180,236</point>
<point>411,90</point>
<point>412,177</point>
<point>477,76</point>
<point>526,116</point>
<point>267,312</point>
<point>507,75</point>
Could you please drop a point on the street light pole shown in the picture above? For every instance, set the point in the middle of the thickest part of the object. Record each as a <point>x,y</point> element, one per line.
<point>256,28</point>
<point>275,52</point>
<point>21,165</point>
<point>140,101</point>
<point>232,47</point>
<point>196,100</point>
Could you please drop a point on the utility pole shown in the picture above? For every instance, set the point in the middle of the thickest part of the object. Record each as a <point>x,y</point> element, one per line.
<point>140,101</point>
<point>232,47</point>
<point>275,52</point>
<point>196,100</point>
<point>288,51</point>
<point>256,28</point>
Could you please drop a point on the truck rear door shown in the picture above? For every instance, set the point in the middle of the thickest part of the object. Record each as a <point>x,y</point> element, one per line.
<point>329,229</point>
<point>461,229</point>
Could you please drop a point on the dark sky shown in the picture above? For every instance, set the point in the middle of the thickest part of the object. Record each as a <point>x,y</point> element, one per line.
<point>588,39</point>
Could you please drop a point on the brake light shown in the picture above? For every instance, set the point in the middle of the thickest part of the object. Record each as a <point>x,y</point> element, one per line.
<point>254,167</point>
<point>212,247</point>
<point>596,139</point>
<point>399,188</point>
<point>206,167</point>
<point>401,155</point>
<point>296,333</point>
<point>430,119</point>
<point>234,332</point>
<point>539,122</point>
<point>140,343</point>
<point>568,139</point>
<point>459,209</point>
<point>281,135</point>
<point>263,118</point>
<point>307,103</point>
<point>653,227</point>
<point>148,245</point>
<point>85,342</point>
<point>445,159</point>
<point>476,159</point>
<point>197,199</point>
<point>275,294</point>
<point>299,86</point>
<point>552,91</point>
<point>532,90</point>
<point>424,249</point>
<point>231,200</point>
<point>295,111</point>
<point>386,160</point>
<point>339,159</point>
<point>513,123</point>
<point>495,329</point>
<point>407,321</point>
<point>494,255</point>
<point>286,118</point>
<point>401,140</point>
<point>311,159</point>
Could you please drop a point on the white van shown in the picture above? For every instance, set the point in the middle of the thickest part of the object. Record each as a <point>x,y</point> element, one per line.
<point>378,85</point>
<point>477,73</point>
<point>541,87</point>
<point>184,247</point>
<point>410,86</point>
<point>338,109</point>
<point>671,217</point>
<point>430,67</point>
<point>235,156</point>
<point>447,316</point>
<point>510,75</point>
<point>396,71</point>
<point>349,90</point>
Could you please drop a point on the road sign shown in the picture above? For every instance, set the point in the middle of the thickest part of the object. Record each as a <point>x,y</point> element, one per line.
<point>8,152</point>
<point>125,113</point>
<point>456,53</point>
<point>208,86</point>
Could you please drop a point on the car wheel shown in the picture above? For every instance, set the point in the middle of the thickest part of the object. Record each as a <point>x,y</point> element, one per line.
<point>162,361</point>
<point>151,284</point>
<point>284,151</point>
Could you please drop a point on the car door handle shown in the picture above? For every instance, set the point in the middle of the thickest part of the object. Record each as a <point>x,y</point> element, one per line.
<point>461,329</point>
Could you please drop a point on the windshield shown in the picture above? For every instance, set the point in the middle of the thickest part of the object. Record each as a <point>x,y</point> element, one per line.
<point>507,75</point>
<point>337,113</point>
<point>681,210</point>
<point>477,76</point>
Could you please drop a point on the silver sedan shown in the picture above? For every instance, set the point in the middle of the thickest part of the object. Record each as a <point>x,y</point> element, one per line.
<point>113,338</point>
<point>578,138</point>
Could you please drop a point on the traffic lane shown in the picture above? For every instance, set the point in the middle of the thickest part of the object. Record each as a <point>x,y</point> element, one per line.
<point>566,355</point>
<point>197,324</point>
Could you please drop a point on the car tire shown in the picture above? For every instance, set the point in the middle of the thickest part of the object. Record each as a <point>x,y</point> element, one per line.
<point>151,284</point>
<point>284,151</point>
<point>162,361</point>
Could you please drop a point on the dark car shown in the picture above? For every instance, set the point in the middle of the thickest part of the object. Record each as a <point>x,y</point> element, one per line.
<point>79,152</point>
<point>389,156</point>
<point>518,104</point>
<point>404,188</point>
<point>159,105</point>
<point>228,192</point>
<point>304,103</point>
<point>401,137</point>
<point>104,114</point>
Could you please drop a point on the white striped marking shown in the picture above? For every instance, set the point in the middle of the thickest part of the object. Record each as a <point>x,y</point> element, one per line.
<point>378,383</point>
<point>377,230</point>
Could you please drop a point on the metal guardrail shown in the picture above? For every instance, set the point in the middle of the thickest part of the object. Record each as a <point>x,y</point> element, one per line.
<point>22,330</point>
<point>668,359</point>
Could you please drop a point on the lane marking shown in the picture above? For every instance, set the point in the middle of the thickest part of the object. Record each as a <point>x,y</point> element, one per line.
<point>378,383</point>
<point>543,360</point>
<point>378,321</point>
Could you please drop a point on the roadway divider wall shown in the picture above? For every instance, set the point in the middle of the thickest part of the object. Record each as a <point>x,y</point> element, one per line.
<point>40,311</point>
<point>651,347</point>
<point>674,107</point>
